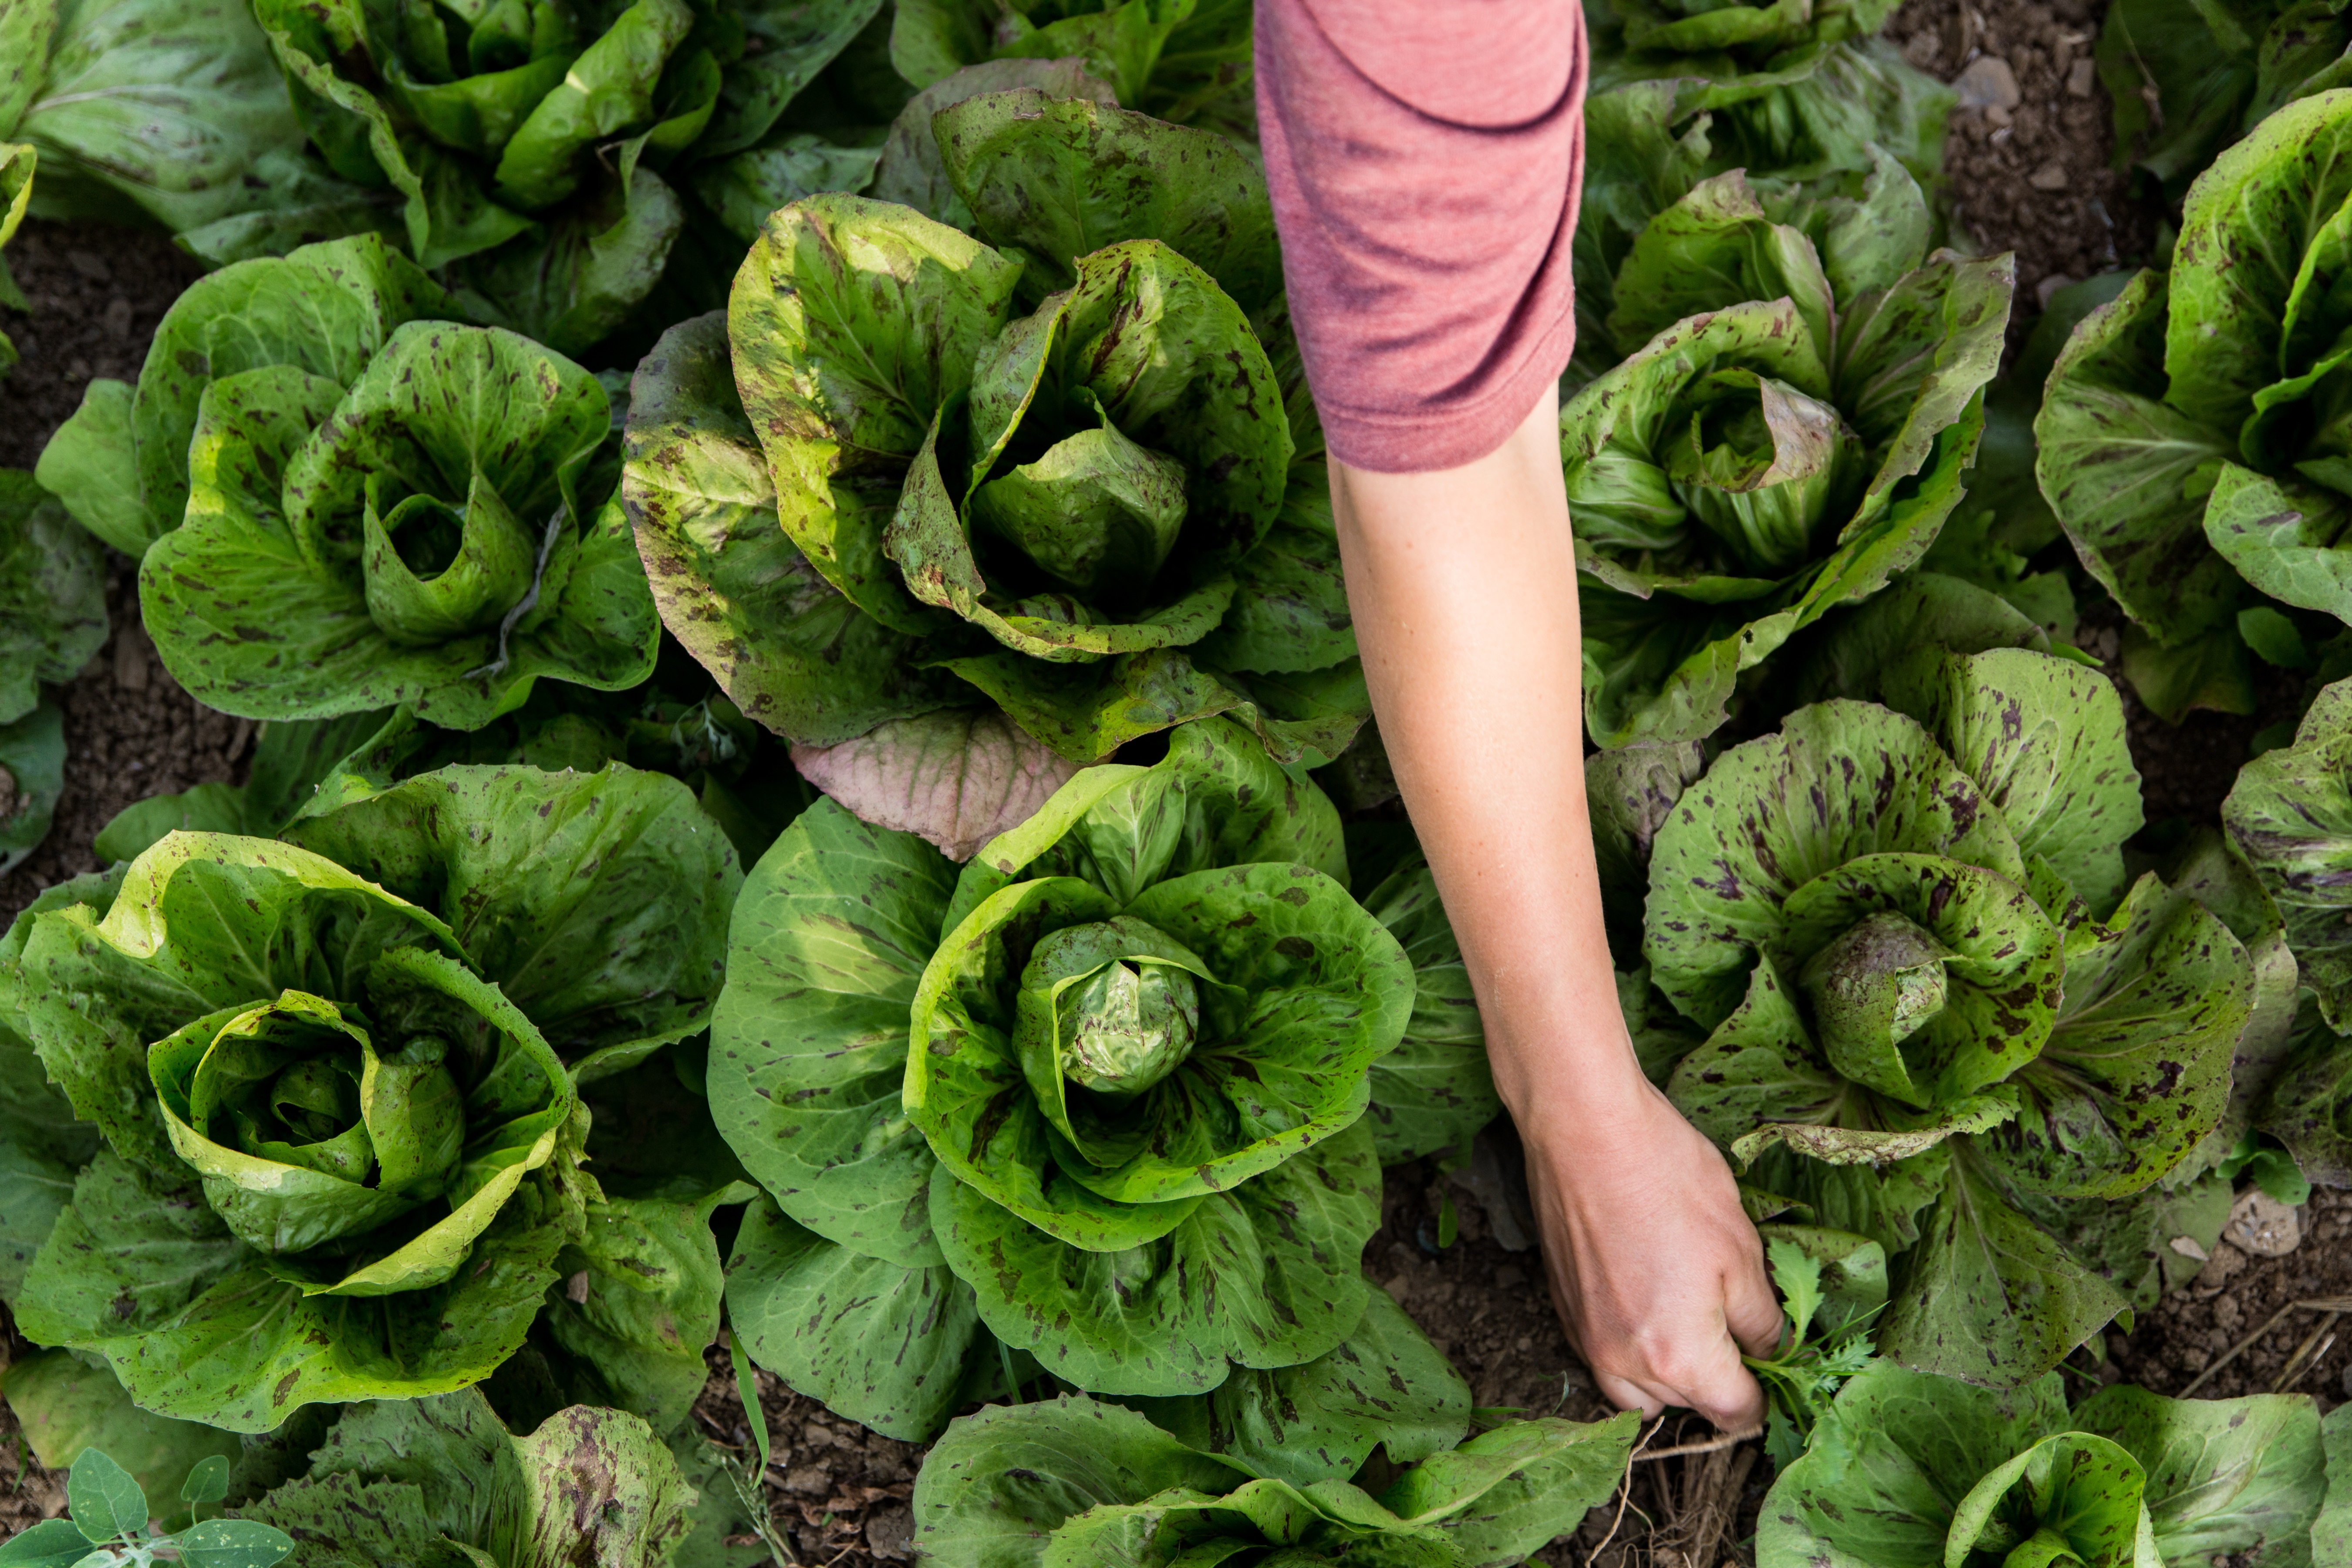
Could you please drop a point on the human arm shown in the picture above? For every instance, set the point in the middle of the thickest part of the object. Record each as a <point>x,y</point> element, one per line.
<point>1462,587</point>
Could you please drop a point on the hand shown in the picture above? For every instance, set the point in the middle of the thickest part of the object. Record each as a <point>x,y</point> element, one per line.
<point>1654,1268</point>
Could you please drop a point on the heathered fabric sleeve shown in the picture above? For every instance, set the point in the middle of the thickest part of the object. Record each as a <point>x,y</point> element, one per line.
<point>1424,158</point>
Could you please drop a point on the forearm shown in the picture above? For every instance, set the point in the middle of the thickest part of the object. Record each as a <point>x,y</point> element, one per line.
<point>1462,587</point>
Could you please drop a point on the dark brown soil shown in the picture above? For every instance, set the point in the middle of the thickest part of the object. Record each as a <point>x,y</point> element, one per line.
<point>2030,175</point>
<point>2234,1296</point>
<point>97,293</point>
<point>2030,170</point>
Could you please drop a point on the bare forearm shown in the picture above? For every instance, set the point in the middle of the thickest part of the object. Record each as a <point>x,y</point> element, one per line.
<point>1463,585</point>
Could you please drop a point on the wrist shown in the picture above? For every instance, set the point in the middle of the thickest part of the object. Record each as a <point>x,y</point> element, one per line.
<point>1576,1095</point>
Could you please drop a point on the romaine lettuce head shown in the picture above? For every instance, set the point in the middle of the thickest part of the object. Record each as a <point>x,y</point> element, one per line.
<point>1909,931</point>
<point>1065,529</point>
<point>2196,433</point>
<point>1913,1471</point>
<point>519,143</point>
<point>1083,1481</point>
<point>1774,88</point>
<point>1790,436</point>
<point>335,1081</point>
<point>1179,60</point>
<point>429,525</point>
<point>1101,1096</point>
<point>2189,80</point>
<point>121,463</point>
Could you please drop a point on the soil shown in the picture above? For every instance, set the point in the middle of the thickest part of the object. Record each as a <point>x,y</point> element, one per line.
<point>2029,170</point>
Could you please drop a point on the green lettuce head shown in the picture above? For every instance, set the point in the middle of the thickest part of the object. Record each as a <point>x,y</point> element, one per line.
<point>16,165</point>
<point>1910,934</point>
<point>2187,80</point>
<point>1011,541</point>
<point>1101,1098</point>
<point>517,146</point>
<point>2196,433</point>
<point>422,520</point>
<point>1091,1482</point>
<point>1792,435</point>
<point>336,1084</point>
<point>1181,60</point>
<point>1914,1471</point>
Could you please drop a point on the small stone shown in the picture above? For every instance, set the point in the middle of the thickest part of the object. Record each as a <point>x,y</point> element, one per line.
<point>131,664</point>
<point>2187,1246</point>
<point>576,1288</point>
<point>1988,83</point>
<point>2051,176</point>
<point>90,265</point>
<point>891,1531</point>
<point>2261,1225</point>
<point>1922,47</point>
<point>2083,78</point>
<point>808,1481</point>
<point>115,317</point>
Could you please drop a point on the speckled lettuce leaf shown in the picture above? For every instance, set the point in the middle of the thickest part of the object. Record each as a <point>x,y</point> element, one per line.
<point>1050,179</point>
<point>1840,781</point>
<point>414,1480</point>
<point>780,640</point>
<point>809,1041</point>
<point>2044,739</point>
<point>2225,1476</point>
<point>1007,1477</point>
<point>742,190</point>
<point>794,40</point>
<point>2290,815</point>
<point>590,268</point>
<point>1121,43</point>
<point>1715,248</point>
<point>422,538</point>
<point>2136,1070</point>
<point>913,172</point>
<point>2280,536</point>
<point>1385,1387</point>
<point>1289,613</point>
<point>851,323</point>
<point>1435,1090</point>
<point>2309,1105</point>
<point>597,903</point>
<point>52,595</point>
<point>2188,81</point>
<point>121,463</point>
<point>152,111</point>
<point>2084,1495</point>
<point>65,1406</point>
<point>1988,1297</point>
<point>42,1145</point>
<point>32,751</point>
<point>1278,1252</point>
<point>885,1343</point>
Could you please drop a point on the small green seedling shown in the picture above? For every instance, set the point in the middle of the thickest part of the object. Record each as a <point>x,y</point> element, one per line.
<point>107,1525</point>
<point>1801,1380</point>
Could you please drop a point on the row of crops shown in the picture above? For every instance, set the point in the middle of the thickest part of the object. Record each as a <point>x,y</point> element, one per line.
<point>784,562</point>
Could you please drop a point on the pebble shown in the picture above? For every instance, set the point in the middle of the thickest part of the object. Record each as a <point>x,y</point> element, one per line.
<point>1988,83</point>
<point>2051,176</point>
<point>2263,1225</point>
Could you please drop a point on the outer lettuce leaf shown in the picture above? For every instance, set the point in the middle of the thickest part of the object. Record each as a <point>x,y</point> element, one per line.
<point>2289,814</point>
<point>2187,79</point>
<point>52,595</point>
<point>913,171</point>
<point>65,1408</point>
<point>33,754</point>
<point>1179,60</point>
<point>154,111</point>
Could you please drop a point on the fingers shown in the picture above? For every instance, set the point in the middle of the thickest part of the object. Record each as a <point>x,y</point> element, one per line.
<point>1627,1395</point>
<point>1750,1310</point>
<point>1723,1390</point>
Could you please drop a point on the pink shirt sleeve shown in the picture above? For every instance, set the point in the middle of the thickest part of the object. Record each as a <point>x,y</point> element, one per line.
<point>1424,157</point>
